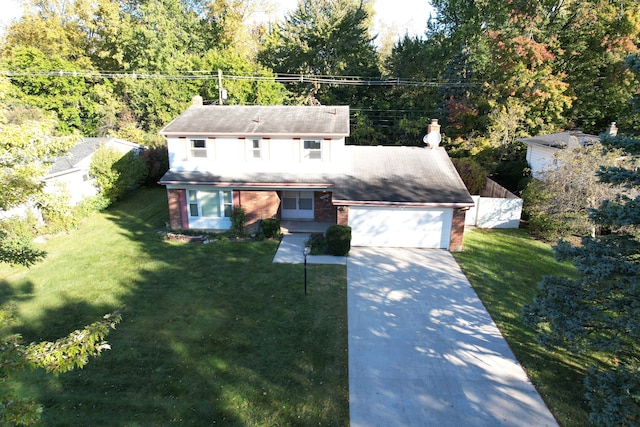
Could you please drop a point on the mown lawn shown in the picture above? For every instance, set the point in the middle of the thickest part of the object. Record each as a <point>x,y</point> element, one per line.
<point>504,267</point>
<point>211,334</point>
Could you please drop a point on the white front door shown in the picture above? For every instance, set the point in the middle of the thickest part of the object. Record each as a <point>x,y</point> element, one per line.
<point>297,205</point>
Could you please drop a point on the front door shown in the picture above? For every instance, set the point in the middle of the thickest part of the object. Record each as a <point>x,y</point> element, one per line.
<point>297,205</point>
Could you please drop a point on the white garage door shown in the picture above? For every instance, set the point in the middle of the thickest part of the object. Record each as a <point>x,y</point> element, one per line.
<point>400,227</point>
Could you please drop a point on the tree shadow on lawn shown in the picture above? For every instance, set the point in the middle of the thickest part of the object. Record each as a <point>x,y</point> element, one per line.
<point>210,333</point>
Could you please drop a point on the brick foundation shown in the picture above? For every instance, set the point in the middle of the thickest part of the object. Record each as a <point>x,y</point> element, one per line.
<point>178,209</point>
<point>258,205</point>
<point>456,243</point>
<point>324,210</point>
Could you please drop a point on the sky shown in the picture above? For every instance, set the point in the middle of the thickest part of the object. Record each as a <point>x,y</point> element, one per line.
<point>399,16</point>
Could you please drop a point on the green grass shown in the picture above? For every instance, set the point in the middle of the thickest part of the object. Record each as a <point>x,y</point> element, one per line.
<point>504,267</point>
<point>211,334</point>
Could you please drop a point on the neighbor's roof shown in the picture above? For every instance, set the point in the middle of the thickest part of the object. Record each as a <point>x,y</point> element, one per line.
<point>563,139</point>
<point>83,149</point>
<point>227,120</point>
<point>372,175</point>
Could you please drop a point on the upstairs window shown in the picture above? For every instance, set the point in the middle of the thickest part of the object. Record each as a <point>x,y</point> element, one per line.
<point>256,150</point>
<point>312,149</point>
<point>198,148</point>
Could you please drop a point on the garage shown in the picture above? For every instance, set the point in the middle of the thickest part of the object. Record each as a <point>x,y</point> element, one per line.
<point>399,226</point>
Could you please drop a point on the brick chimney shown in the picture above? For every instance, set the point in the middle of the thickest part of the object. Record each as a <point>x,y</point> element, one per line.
<point>433,137</point>
<point>433,126</point>
<point>197,101</point>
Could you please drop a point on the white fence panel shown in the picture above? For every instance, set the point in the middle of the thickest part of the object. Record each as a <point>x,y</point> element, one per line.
<point>498,213</point>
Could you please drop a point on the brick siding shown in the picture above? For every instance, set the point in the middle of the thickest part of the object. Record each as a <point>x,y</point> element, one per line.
<point>178,209</point>
<point>258,205</point>
<point>457,230</point>
<point>324,210</point>
<point>343,215</point>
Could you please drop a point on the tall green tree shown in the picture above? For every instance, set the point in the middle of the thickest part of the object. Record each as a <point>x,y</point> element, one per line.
<point>41,86</point>
<point>324,38</point>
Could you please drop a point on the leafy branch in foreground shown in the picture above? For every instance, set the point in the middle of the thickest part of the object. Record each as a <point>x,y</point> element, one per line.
<point>62,355</point>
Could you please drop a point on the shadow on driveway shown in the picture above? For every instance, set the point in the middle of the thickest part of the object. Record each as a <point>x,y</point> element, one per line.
<point>423,350</point>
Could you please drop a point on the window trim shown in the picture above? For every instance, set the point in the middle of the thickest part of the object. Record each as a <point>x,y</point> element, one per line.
<point>258,149</point>
<point>307,152</point>
<point>193,149</point>
<point>225,204</point>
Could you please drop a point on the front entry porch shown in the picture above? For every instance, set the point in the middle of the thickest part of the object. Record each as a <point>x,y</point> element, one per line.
<point>299,226</point>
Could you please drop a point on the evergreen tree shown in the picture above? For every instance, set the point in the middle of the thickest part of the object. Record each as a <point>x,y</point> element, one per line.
<point>599,311</point>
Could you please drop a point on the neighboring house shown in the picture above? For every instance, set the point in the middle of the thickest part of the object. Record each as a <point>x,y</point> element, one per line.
<point>72,169</point>
<point>541,149</point>
<point>292,163</point>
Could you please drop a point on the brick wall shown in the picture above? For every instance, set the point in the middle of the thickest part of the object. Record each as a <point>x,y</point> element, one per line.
<point>258,205</point>
<point>178,209</point>
<point>343,215</point>
<point>457,230</point>
<point>324,211</point>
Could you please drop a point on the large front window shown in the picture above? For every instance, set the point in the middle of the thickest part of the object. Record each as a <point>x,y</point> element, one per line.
<point>210,203</point>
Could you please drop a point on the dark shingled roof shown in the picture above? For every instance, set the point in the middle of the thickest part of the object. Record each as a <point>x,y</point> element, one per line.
<point>403,175</point>
<point>568,139</point>
<point>82,150</point>
<point>220,120</point>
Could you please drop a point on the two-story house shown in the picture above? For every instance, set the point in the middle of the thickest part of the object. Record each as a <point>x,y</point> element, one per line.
<point>291,162</point>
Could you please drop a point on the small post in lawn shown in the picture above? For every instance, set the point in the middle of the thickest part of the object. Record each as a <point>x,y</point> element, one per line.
<point>306,251</point>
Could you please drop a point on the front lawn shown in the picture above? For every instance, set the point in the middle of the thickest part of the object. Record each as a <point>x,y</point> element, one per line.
<point>211,334</point>
<point>504,267</point>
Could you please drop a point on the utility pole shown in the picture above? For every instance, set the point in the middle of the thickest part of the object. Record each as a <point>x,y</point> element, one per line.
<point>219,86</point>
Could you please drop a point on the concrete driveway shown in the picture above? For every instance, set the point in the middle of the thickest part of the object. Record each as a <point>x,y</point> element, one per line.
<point>423,351</point>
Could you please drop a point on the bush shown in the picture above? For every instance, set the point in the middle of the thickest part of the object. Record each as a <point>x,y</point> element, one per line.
<point>57,211</point>
<point>318,244</point>
<point>473,175</point>
<point>238,219</point>
<point>92,204</point>
<point>339,240</point>
<point>116,173</point>
<point>157,159</point>
<point>271,227</point>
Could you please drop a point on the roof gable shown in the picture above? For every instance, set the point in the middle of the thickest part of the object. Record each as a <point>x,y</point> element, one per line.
<point>224,120</point>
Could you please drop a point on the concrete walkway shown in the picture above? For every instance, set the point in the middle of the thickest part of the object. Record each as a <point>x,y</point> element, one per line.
<point>423,351</point>
<point>290,252</point>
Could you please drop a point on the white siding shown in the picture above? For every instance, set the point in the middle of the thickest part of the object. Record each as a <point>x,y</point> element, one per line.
<point>539,158</point>
<point>226,155</point>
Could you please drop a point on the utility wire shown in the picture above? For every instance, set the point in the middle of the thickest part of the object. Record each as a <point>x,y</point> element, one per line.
<point>213,75</point>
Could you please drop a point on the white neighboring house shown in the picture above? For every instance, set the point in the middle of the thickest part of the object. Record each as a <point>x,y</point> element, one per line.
<point>541,149</point>
<point>72,169</point>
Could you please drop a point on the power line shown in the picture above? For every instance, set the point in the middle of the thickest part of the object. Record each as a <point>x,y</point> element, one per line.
<point>213,75</point>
